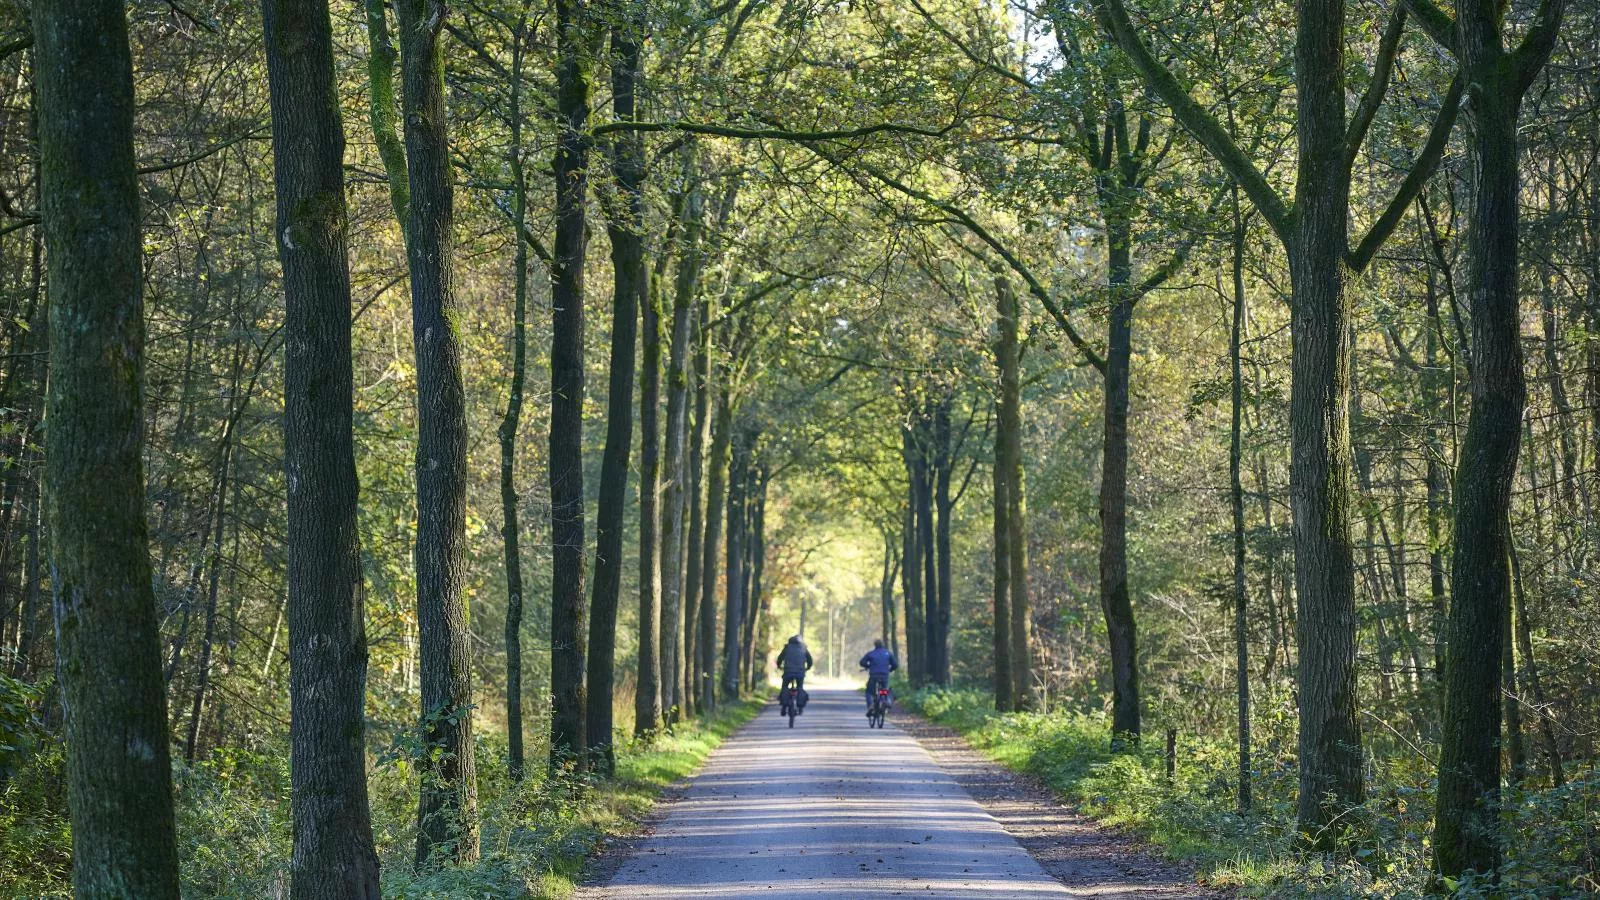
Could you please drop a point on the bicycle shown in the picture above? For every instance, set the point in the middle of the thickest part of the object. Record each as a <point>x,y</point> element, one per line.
<point>879,708</point>
<point>789,703</point>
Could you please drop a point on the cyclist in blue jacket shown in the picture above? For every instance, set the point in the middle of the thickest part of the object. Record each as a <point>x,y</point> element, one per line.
<point>878,662</point>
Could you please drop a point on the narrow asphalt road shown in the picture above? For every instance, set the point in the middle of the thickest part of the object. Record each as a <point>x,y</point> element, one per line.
<point>826,811</point>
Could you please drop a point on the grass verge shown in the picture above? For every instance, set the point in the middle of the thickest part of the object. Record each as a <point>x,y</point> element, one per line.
<point>538,836</point>
<point>1549,833</point>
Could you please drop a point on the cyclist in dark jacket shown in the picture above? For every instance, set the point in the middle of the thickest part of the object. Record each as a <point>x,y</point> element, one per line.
<point>878,662</point>
<point>795,660</point>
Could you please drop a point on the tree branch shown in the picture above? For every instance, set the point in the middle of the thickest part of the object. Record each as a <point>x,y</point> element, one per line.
<point>214,149</point>
<point>1206,129</point>
<point>1436,22</point>
<point>1421,170</point>
<point>1035,288</point>
<point>1537,44</point>
<point>780,134</point>
<point>1372,98</point>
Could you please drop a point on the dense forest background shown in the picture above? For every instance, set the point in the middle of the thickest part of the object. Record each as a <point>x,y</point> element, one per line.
<point>979,325</point>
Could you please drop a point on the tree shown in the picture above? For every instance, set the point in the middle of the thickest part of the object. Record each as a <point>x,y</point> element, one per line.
<point>1008,442</point>
<point>676,596</point>
<point>447,814</point>
<point>333,849</point>
<point>1466,820</point>
<point>119,770</point>
<point>510,529</point>
<point>630,292</point>
<point>1315,236</point>
<point>567,745</point>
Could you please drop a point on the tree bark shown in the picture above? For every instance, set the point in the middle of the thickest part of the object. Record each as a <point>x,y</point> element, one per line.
<point>734,572</point>
<point>945,507</point>
<point>1241,597</point>
<point>118,770</point>
<point>649,696</point>
<point>923,478</point>
<point>716,495</point>
<point>1002,568</point>
<point>1010,446</point>
<point>1115,600</point>
<point>381,109</point>
<point>1466,823</point>
<point>675,474</point>
<point>911,579</point>
<point>1331,782</point>
<point>916,552</point>
<point>694,670</point>
<point>447,814</point>
<point>333,846</point>
<point>510,531</point>
<point>630,291</point>
<point>567,532</point>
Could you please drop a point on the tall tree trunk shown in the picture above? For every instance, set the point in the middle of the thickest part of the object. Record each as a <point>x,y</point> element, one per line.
<point>567,533</point>
<point>1115,600</point>
<point>510,532</point>
<point>651,685</point>
<point>923,477</point>
<point>1241,598</point>
<point>676,475</point>
<point>447,815</point>
<point>1330,753</point>
<point>630,291</point>
<point>716,495</point>
<point>118,771</point>
<point>916,550</point>
<point>756,557</point>
<point>944,506</point>
<point>911,579</point>
<point>733,573</point>
<point>1010,446</point>
<point>1467,816</point>
<point>1002,566</point>
<point>333,847</point>
<point>696,574</point>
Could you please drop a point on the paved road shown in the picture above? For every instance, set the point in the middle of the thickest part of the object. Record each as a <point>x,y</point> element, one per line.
<point>827,811</point>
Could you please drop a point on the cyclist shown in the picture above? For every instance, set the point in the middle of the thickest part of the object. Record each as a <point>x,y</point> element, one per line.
<point>795,660</point>
<point>878,662</point>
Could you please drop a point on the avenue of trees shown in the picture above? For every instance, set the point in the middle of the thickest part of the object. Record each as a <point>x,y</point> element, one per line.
<point>409,410</point>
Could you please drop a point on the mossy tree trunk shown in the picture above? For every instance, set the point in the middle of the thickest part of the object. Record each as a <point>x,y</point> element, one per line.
<point>447,812</point>
<point>119,770</point>
<point>1466,823</point>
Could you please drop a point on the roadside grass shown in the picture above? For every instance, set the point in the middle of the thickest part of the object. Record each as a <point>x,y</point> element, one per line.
<point>234,826</point>
<point>1550,850</point>
<point>537,837</point>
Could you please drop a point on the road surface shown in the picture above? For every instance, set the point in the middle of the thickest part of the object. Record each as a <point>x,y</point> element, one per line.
<point>827,811</point>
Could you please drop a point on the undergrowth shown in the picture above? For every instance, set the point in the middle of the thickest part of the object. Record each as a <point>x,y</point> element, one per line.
<point>1553,836</point>
<point>234,828</point>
